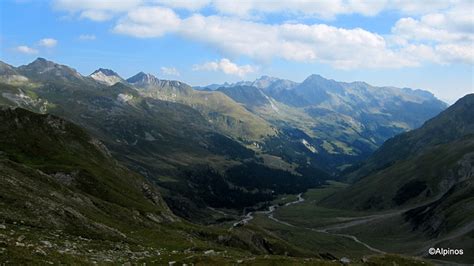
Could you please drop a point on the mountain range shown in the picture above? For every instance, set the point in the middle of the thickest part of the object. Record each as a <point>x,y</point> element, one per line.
<point>143,152</point>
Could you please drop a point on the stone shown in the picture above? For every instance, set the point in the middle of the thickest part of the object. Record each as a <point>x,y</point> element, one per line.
<point>46,243</point>
<point>209,252</point>
<point>345,260</point>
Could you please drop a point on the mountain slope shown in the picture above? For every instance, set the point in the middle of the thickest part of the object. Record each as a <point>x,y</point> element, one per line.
<point>222,112</point>
<point>450,125</point>
<point>344,120</point>
<point>70,178</point>
<point>422,183</point>
<point>416,166</point>
<point>247,95</point>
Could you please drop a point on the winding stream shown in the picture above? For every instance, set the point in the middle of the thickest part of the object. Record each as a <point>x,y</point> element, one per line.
<point>269,213</point>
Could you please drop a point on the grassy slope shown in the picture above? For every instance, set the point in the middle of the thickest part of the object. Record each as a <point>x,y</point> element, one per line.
<point>435,168</point>
<point>221,111</point>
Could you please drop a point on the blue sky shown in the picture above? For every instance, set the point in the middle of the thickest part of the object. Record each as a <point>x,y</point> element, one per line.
<point>423,44</point>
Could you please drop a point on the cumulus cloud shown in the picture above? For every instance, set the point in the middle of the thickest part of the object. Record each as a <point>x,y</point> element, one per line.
<point>450,34</point>
<point>226,66</point>
<point>48,42</point>
<point>26,50</point>
<point>148,22</point>
<point>296,42</point>
<point>440,32</point>
<point>87,37</point>
<point>170,71</point>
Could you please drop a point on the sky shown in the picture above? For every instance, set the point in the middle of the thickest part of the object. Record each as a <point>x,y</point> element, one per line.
<point>417,44</point>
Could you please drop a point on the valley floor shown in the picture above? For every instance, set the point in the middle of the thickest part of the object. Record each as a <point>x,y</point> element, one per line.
<point>336,233</point>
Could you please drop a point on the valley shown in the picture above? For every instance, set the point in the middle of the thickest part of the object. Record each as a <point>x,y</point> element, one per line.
<point>105,169</point>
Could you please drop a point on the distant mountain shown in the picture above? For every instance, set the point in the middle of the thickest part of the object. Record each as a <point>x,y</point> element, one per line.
<point>224,114</point>
<point>106,76</point>
<point>343,121</point>
<point>9,74</point>
<point>264,82</point>
<point>248,95</point>
<point>142,79</point>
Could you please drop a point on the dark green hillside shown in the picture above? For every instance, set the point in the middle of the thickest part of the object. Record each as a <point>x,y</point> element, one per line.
<point>417,165</point>
<point>44,154</point>
<point>424,179</point>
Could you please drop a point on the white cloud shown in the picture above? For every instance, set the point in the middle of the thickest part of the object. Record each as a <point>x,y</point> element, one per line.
<point>296,42</point>
<point>450,34</point>
<point>192,5</point>
<point>148,22</point>
<point>87,37</point>
<point>170,71</point>
<point>26,50</point>
<point>226,66</point>
<point>48,42</point>
<point>109,5</point>
<point>96,15</point>
<point>95,10</point>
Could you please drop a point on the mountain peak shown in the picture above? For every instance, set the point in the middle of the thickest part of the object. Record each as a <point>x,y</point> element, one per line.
<point>314,77</point>
<point>106,76</point>
<point>266,77</point>
<point>40,61</point>
<point>143,79</point>
<point>42,68</point>
<point>105,71</point>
